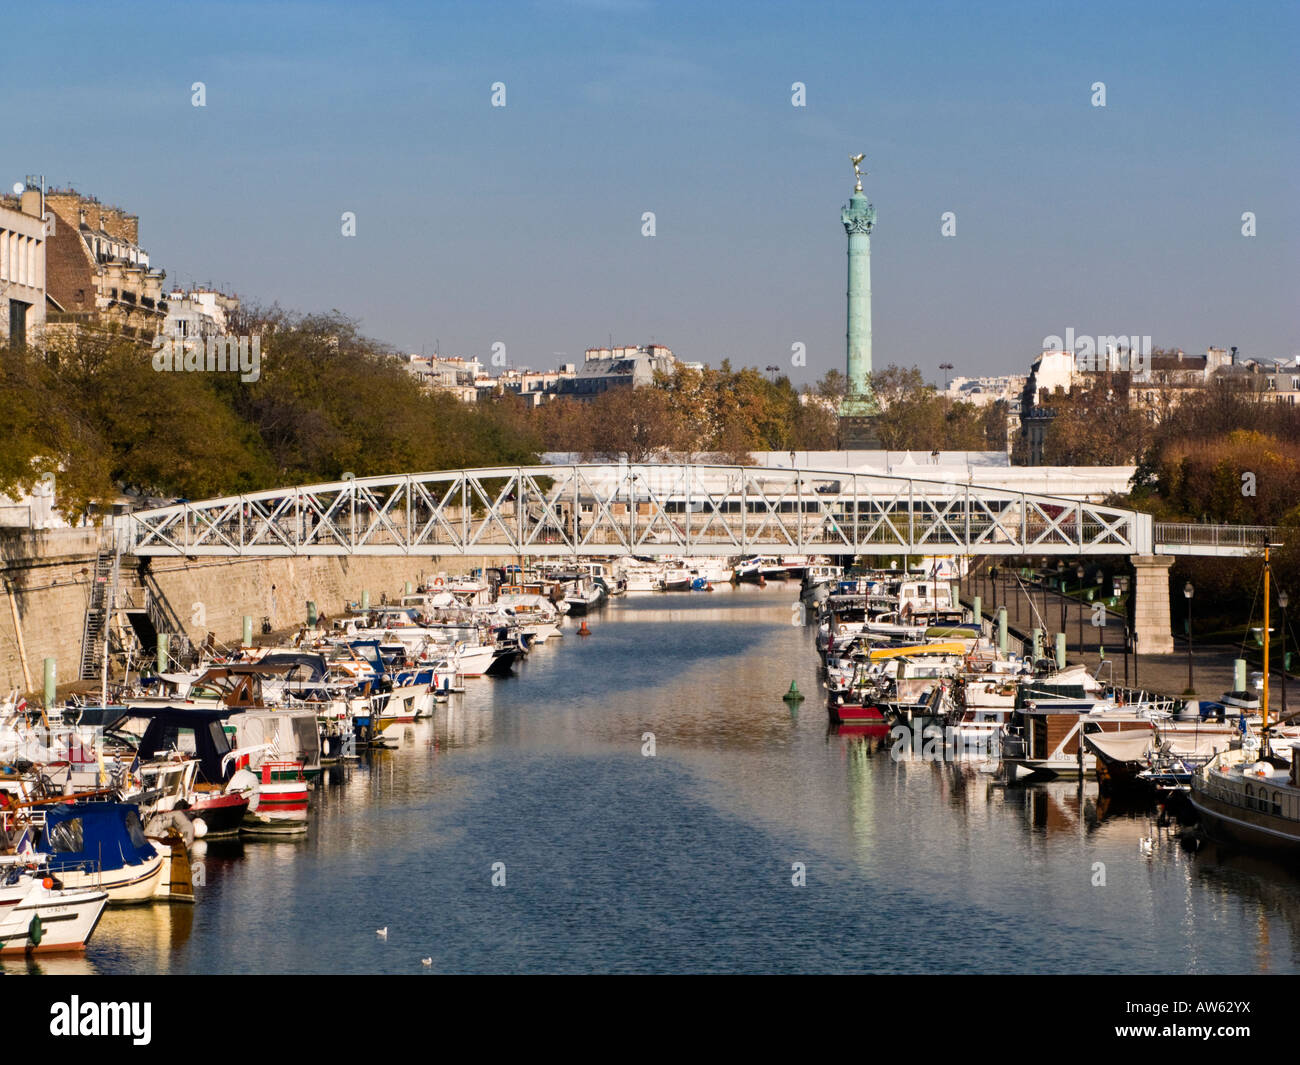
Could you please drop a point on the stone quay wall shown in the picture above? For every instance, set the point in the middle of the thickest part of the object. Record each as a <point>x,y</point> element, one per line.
<point>48,575</point>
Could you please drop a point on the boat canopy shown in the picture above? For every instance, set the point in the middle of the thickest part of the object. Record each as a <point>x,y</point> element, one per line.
<point>918,649</point>
<point>194,733</point>
<point>104,835</point>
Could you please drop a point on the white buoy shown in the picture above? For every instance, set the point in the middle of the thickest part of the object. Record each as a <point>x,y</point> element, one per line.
<point>426,961</point>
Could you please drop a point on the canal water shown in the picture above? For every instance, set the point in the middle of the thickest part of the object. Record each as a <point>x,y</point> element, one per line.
<point>618,860</point>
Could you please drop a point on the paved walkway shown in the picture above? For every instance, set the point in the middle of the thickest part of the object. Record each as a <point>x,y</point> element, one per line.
<point>1032,606</point>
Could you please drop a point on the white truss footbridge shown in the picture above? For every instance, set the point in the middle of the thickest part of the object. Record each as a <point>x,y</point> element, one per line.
<point>660,509</point>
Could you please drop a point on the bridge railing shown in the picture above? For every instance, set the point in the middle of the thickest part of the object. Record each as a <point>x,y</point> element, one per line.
<point>1185,534</point>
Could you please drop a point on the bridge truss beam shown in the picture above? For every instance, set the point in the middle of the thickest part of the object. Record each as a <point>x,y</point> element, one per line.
<point>642,509</point>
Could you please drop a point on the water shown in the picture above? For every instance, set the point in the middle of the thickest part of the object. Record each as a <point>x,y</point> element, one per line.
<point>619,862</point>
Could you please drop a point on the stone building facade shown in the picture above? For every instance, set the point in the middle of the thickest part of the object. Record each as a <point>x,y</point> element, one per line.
<point>97,274</point>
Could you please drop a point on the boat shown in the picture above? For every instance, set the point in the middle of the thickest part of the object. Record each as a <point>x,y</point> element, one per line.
<point>1120,756</point>
<point>1250,797</point>
<point>230,781</point>
<point>38,915</point>
<point>102,845</point>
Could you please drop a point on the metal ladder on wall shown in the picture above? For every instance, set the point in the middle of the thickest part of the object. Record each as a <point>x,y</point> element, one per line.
<point>103,595</point>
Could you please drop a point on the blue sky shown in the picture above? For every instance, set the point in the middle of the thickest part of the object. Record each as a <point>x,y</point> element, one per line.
<point>522,224</point>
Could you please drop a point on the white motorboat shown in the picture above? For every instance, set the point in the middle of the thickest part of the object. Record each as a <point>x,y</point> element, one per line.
<point>39,916</point>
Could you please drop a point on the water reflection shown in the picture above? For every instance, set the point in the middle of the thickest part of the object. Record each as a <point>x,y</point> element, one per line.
<point>618,860</point>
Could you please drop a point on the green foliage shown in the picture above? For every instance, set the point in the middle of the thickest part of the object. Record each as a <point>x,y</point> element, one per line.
<point>328,401</point>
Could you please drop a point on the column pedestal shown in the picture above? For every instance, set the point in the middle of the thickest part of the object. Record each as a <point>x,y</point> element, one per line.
<point>1151,622</point>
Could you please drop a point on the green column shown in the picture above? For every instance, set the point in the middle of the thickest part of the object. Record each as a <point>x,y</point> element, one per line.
<point>977,609</point>
<point>1002,630</point>
<point>163,641</point>
<point>365,599</point>
<point>859,218</point>
<point>50,683</point>
<point>1038,644</point>
<point>248,630</point>
<point>1239,675</point>
<point>311,614</point>
<point>1060,650</point>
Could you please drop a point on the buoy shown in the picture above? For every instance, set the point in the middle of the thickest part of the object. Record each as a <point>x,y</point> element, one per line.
<point>583,630</point>
<point>794,695</point>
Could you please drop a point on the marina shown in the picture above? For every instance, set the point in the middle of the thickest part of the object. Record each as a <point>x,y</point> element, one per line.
<point>689,864</point>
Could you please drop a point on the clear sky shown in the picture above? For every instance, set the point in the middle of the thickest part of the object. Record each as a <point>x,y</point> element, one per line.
<point>523,224</point>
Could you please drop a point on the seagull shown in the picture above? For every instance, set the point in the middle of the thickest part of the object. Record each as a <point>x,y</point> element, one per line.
<point>382,933</point>
<point>426,961</point>
<point>1146,844</point>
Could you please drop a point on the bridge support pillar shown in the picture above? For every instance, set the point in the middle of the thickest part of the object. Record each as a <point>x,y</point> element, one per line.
<point>1151,623</point>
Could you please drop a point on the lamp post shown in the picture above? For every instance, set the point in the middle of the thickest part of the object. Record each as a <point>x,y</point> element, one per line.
<point>1044,583</point>
<point>1121,587</point>
<point>993,587</point>
<point>1187,594</point>
<point>1282,600</point>
<point>1101,636</point>
<point>1060,589</point>
<point>1078,572</point>
<point>945,367</point>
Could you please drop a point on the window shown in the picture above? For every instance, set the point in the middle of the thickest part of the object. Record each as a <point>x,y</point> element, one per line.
<point>134,829</point>
<point>66,837</point>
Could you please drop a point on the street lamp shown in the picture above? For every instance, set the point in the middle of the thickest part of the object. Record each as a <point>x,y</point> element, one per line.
<point>993,588</point>
<point>1078,572</point>
<point>945,367</point>
<point>1121,589</point>
<point>1060,590</point>
<point>1282,600</point>
<point>1187,594</point>
<point>1101,636</point>
<point>1044,582</point>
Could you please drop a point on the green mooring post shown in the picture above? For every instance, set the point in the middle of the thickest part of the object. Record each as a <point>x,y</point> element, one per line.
<point>1038,644</point>
<point>1002,630</point>
<point>365,599</point>
<point>977,613</point>
<point>1239,675</point>
<point>248,630</point>
<point>1060,650</point>
<point>311,614</point>
<point>409,588</point>
<point>163,641</point>
<point>50,683</point>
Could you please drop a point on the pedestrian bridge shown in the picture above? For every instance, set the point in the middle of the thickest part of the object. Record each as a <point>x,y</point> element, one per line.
<point>660,509</point>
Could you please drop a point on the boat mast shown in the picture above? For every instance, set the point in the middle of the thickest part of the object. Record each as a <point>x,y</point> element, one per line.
<point>1264,731</point>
